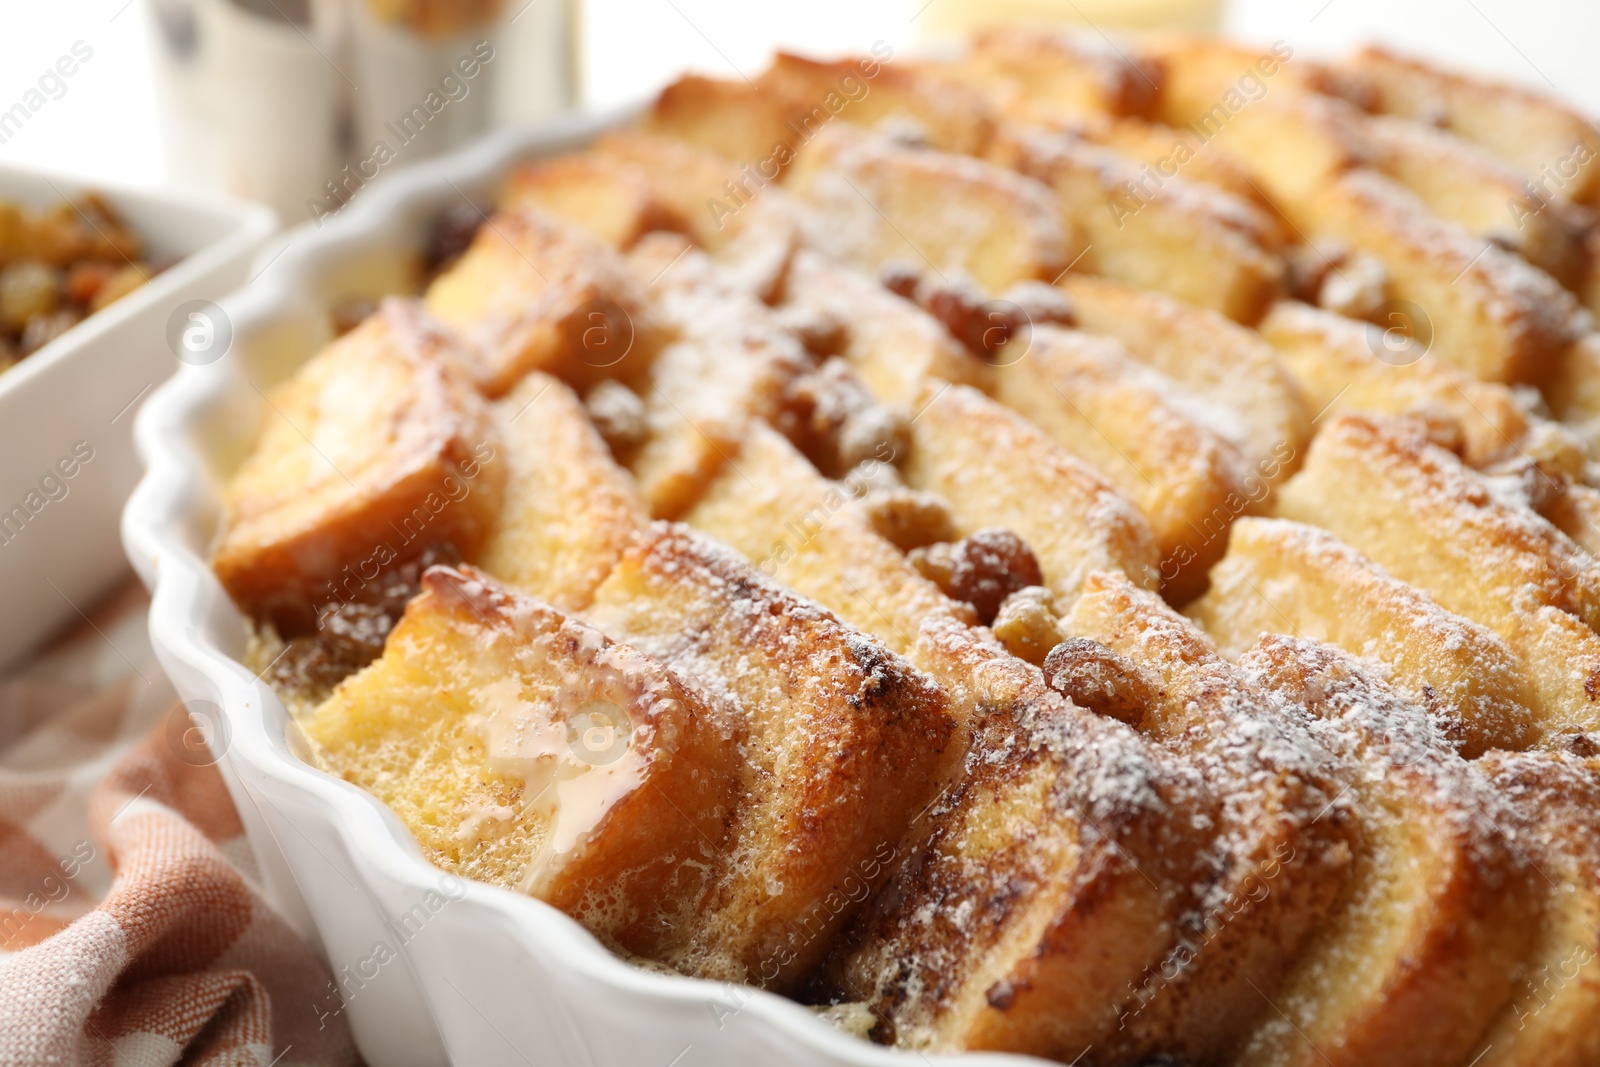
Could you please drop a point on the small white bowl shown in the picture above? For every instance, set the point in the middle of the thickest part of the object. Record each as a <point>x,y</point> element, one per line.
<point>75,398</point>
<point>433,968</point>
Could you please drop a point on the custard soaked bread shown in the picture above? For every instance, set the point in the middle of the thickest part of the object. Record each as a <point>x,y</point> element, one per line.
<point>526,749</point>
<point>1134,588</point>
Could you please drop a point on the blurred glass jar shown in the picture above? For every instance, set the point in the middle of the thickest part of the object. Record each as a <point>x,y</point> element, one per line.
<point>301,103</point>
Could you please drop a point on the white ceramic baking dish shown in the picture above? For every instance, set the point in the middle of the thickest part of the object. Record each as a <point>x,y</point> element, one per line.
<point>67,411</point>
<point>431,968</point>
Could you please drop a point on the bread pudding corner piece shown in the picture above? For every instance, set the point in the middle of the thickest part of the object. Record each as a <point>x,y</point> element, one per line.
<point>1283,577</point>
<point>1190,241</point>
<point>1550,144</point>
<point>1414,509</point>
<point>525,749</point>
<point>877,93</point>
<point>1284,839</point>
<point>376,449</point>
<point>1064,73</point>
<point>1217,360</point>
<point>568,510</point>
<point>1443,908</point>
<point>1344,365</point>
<point>847,743</point>
<point>534,292</point>
<point>880,202</point>
<point>994,468</point>
<point>1487,311</point>
<point>1150,440</point>
<point>608,196</point>
<point>1046,894</point>
<point>732,362</point>
<point>1556,995</point>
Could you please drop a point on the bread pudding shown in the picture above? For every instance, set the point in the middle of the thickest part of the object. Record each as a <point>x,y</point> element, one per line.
<point>1070,551</point>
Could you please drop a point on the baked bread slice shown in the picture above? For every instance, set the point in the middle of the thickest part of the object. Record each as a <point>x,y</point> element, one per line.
<point>1440,910</point>
<point>536,293</point>
<point>883,203</point>
<point>1284,841</point>
<point>1081,840</point>
<point>567,510</point>
<point>1556,994</point>
<point>845,744</point>
<point>1417,512</point>
<point>1534,133</point>
<point>1216,361</point>
<point>526,749</point>
<point>1284,577</point>
<point>376,450</point>
<point>1140,430</point>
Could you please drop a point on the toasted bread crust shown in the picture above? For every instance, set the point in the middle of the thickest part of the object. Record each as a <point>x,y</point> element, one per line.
<point>1441,906</point>
<point>1132,424</point>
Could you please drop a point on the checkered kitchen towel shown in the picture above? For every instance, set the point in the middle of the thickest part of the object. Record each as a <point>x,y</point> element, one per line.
<point>132,928</point>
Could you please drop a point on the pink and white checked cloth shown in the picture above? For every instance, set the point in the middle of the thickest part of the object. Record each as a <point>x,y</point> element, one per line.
<point>132,928</point>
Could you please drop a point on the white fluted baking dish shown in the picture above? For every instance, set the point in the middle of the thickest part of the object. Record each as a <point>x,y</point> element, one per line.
<point>432,968</point>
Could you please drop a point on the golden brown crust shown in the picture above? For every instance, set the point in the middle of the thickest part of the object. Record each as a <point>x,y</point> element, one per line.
<point>1557,992</point>
<point>1219,362</point>
<point>375,450</point>
<point>606,195</point>
<point>1063,72</point>
<point>735,120</point>
<point>1079,841</point>
<point>1191,241</point>
<point>1284,839</point>
<point>878,94</point>
<point>807,532</point>
<point>1347,365</point>
<point>995,469</point>
<point>1490,313</point>
<point>731,364</point>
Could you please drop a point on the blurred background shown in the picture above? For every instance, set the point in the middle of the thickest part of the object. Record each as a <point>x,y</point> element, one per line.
<point>274,99</point>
